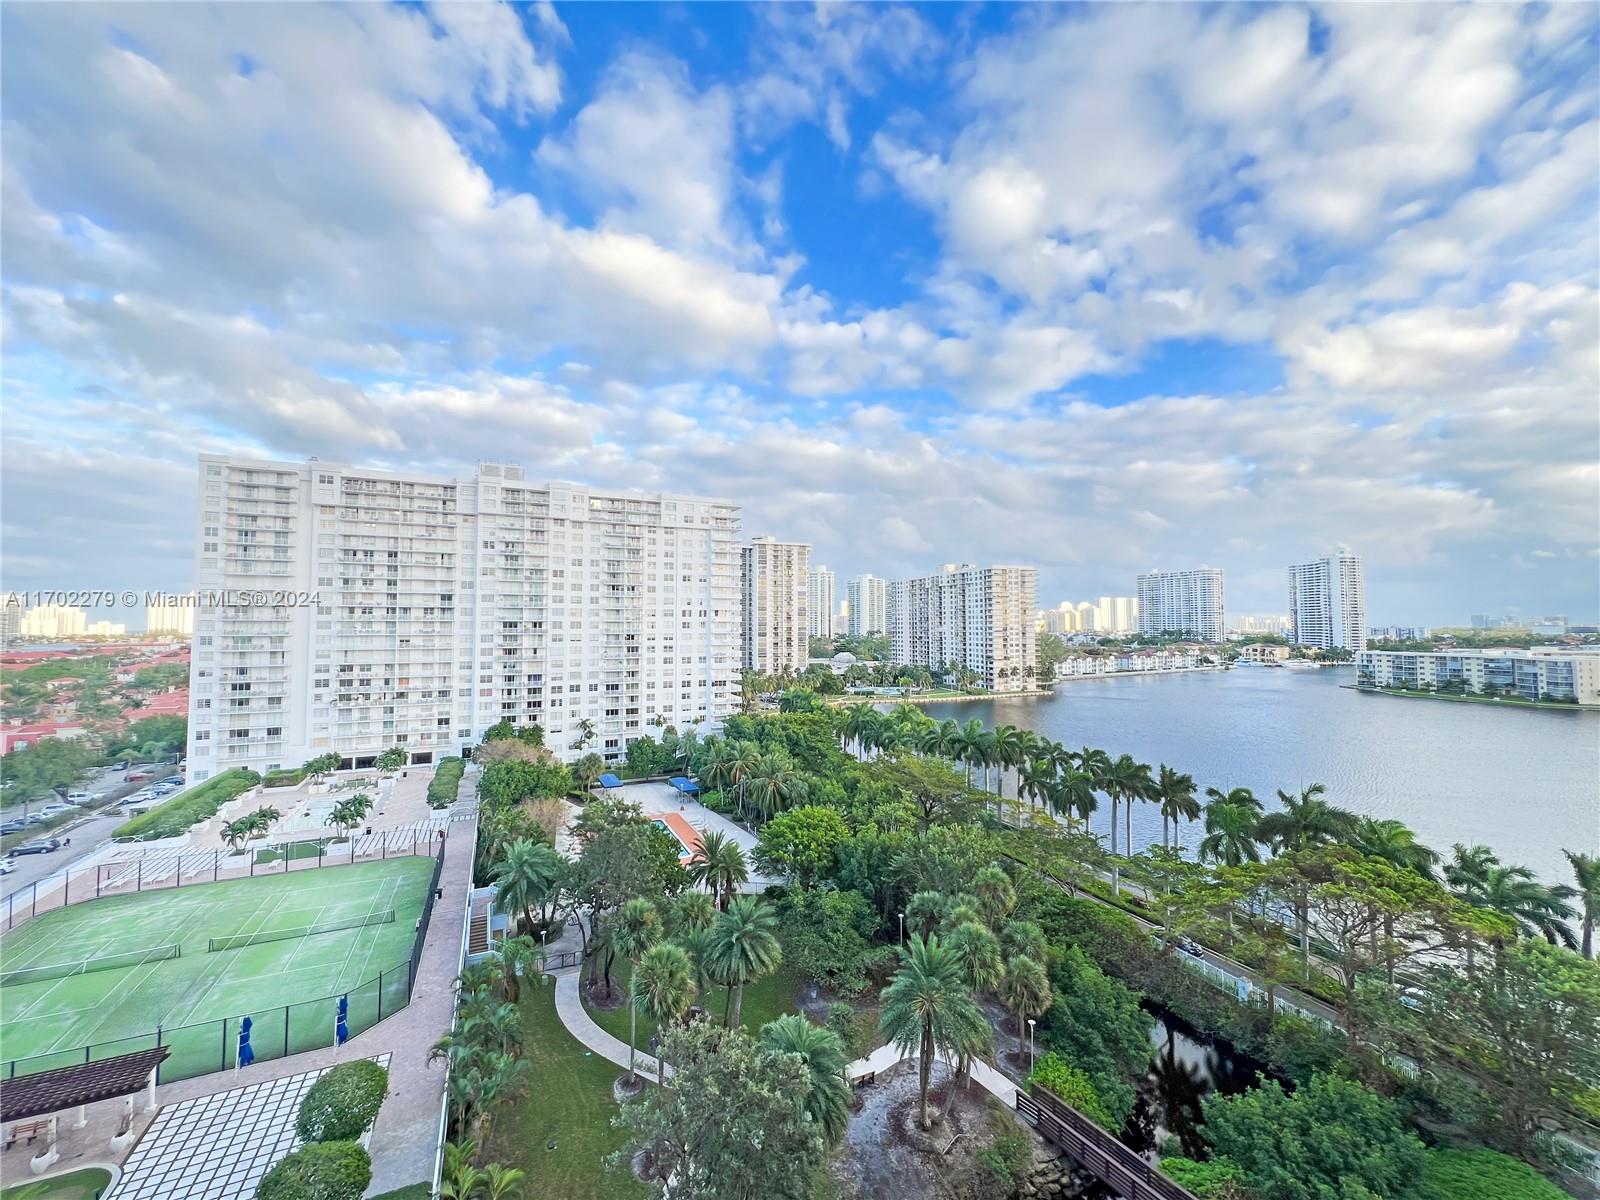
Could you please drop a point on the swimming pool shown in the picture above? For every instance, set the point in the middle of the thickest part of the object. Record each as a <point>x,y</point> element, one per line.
<point>687,852</point>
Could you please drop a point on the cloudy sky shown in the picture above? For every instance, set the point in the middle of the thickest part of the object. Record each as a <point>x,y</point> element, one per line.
<point>1098,289</point>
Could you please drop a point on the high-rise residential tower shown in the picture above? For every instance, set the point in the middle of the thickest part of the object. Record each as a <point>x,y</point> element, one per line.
<point>868,597</point>
<point>170,614</point>
<point>979,618</point>
<point>819,599</point>
<point>53,621</point>
<point>1187,602</point>
<point>1328,602</point>
<point>775,621</point>
<point>347,609</point>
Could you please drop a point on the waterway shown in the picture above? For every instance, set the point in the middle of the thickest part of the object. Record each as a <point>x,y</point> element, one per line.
<point>1525,782</point>
<point>1186,1066</point>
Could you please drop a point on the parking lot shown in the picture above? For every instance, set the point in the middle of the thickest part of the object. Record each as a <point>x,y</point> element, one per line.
<point>87,827</point>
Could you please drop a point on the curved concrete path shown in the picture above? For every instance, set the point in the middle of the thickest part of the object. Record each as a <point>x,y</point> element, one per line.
<point>578,1022</point>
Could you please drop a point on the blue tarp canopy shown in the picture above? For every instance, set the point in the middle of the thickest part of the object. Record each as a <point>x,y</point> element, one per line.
<point>684,784</point>
<point>609,780</point>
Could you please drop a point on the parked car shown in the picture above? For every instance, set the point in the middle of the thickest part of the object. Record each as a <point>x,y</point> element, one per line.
<point>38,846</point>
<point>138,776</point>
<point>13,826</point>
<point>40,818</point>
<point>78,797</point>
<point>177,779</point>
<point>118,766</point>
<point>55,810</point>
<point>7,866</point>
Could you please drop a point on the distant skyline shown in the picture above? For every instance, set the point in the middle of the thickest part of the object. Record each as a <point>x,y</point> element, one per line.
<point>1065,286</point>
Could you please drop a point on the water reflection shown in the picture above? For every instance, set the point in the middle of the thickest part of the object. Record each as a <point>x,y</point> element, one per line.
<point>1185,1067</point>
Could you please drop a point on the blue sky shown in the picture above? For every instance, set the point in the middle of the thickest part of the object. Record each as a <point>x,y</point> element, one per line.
<point>1095,288</point>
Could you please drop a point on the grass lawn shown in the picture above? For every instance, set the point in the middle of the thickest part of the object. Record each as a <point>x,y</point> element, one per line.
<point>763,1000</point>
<point>78,1185</point>
<point>568,1102</point>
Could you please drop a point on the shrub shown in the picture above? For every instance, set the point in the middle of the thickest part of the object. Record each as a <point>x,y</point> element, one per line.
<point>1003,1165</point>
<point>1071,1086</point>
<point>190,807</point>
<point>1215,1180</point>
<point>341,1105</point>
<point>319,1171</point>
<point>445,782</point>
<point>1483,1175</point>
<point>286,778</point>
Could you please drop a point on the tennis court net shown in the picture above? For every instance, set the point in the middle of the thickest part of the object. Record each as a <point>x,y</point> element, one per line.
<point>101,962</point>
<point>237,940</point>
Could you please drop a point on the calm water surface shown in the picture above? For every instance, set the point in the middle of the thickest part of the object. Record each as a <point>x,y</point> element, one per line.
<point>1525,782</point>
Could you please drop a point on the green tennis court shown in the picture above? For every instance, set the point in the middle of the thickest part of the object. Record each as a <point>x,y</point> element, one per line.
<point>192,961</point>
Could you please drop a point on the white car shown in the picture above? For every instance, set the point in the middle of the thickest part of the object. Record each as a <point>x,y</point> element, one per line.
<point>78,797</point>
<point>7,866</point>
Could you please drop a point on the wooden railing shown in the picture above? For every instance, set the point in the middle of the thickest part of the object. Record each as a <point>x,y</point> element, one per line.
<point>1097,1150</point>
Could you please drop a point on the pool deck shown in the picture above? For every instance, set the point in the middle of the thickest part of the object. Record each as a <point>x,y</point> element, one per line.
<point>688,820</point>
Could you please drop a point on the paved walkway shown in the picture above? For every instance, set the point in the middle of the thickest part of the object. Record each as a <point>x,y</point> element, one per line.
<point>569,1006</point>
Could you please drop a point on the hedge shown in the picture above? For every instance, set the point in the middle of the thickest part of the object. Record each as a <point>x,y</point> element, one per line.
<point>1071,1086</point>
<point>319,1171</point>
<point>445,782</point>
<point>188,808</point>
<point>340,1105</point>
<point>1219,1177</point>
<point>285,778</point>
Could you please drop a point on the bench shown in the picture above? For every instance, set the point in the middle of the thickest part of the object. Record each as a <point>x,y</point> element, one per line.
<point>26,1129</point>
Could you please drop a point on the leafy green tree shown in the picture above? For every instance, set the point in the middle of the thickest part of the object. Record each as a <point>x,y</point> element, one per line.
<point>822,1051</point>
<point>827,937</point>
<point>38,769</point>
<point>1071,1085</point>
<point>528,878</point>
<point>662,987</point>
<point>801,844</point>
<point>1331,1139</point>
<point>940,794</point>
<point>928,1008</point>
<point>1096,1022</point>
<point>506,782</point>
<point>764,1145</point>
<point>744,947</point>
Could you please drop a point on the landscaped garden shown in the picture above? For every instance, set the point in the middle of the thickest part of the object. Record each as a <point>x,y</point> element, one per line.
<point>928,900</point>
<point>88,1184</point>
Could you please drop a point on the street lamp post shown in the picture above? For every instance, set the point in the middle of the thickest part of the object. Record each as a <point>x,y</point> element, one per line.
<point>1030,1045</point>
<point>902,929</point>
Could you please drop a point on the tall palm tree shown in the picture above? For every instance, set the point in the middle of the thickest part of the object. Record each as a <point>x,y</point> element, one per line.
<point>637,928</point>
<point>1230,834</point>
<point>744,947</point>
<point>1074,793</point>
<point>773,785</point>
<point>662,986</point>
<point>697,944</point>
<point>1536,910</point>
<point>520,957</point>
<point>1125,780</point>
<point>526,877</point>
<point>1174,792</point>
<point>720,865</point>
<point>1303,822</point>
<point>1467,872</point>
<point>857,722</point>
<point>927,1007</point>
<point>1394,842</point>
<point>1008,746</point>
<point>828,1099</point>
<point>972,746</point>
<point>996,894</point>
<point>715,769</point>
<point>941,739</point>
<point>692,910</point>
<point>1586,870</point>
<point>1025,989</point>
<point>978,951</point>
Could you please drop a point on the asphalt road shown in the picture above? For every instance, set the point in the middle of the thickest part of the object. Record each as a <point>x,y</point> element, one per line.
<point>88,831</point>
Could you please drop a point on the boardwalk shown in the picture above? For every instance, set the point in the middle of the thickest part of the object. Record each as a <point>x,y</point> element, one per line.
<point>1096,1150</point>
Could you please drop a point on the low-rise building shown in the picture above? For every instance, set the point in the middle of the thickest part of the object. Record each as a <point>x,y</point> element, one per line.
<point>1542,673</point>
<point>1265,653</point>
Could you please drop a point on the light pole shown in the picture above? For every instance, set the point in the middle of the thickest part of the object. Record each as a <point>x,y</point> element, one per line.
<point>902,929</point>
<point>1030,1045</point>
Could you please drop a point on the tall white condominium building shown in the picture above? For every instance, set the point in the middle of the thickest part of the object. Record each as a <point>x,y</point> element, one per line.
<point>10,616</point>
<point>1182,602</point>
<point>819,601</point>
<point>170,614</point>
<point>369,609</point>
<point>868,597</point>
<point>774,582</point>
<point>1328,602</point>
<point>53,621</point>
<point>1116,614</point>
<point>980,618</point>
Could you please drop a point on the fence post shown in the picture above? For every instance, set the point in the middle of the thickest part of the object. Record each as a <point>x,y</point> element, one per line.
<point>224,1065</point>
<point>216,862</point>
<point>34,906</point>
<point>138,882</point>
<point>380,995</point>
<point>66,887</point>
<point>158,1046</point>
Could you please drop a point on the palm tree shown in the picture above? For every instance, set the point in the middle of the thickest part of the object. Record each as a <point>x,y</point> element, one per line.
<point>1303,822</point>
<point>1174,792</point>
<point>927,1007</point>
<point>1073,793</point>
<point>502,1183</point>
<point>638,927</point>
<point>857,722</point>
<point>1125,780</point>
<point>697,944</point>
<point>588,769</point>
<point>720,865</point>
<point>1008,746</point>
<point>663,986</point>
<point>1536,910</point>
<point>744,947</point>
<point>828,1100</point>
<point>234,833</point>
<point>978,951</point>
<point>1025,989</point>
<point>527,876</point>
<point>1586,870</point>
<point>773,785</point>
<point>925,911</point>
<point>460,1180</point>
<point>996,895</point>
<point>1023,937</point>
<point>1230,833</point>
<point>692,910</point>
<point>519,958</point>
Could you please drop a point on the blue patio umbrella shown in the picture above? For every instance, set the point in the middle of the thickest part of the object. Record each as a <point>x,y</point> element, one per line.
<point>341,1027</point>
<point>246,1055</point>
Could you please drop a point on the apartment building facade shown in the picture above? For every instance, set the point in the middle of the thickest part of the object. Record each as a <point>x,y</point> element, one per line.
<point>1542,673</point>
<point>1328,602</point>
<point>1189,602</point>
<point>868,599</point>
<point>774,595</point>
<point>820,592</point>
<point>979,618</point>
<point>345,609</point>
